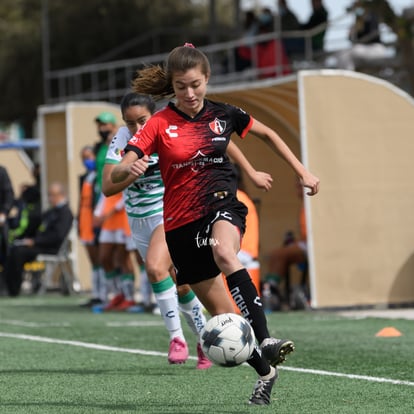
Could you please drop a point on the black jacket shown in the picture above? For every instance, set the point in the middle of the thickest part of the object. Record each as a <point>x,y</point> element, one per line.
<point>55,226</point>
<point>6,192</point>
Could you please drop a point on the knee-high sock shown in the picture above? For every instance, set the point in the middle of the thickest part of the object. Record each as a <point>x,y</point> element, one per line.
<point>127,286</point>
<point>260,364</point>
<point>247,299</point>
<point>192,309</point>
<point>103,292</point>
<point>165,293</point>
<point>111,282</point>
<point>95,282</point>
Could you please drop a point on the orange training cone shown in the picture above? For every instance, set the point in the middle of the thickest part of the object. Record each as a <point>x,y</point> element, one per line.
<point>389,331</point>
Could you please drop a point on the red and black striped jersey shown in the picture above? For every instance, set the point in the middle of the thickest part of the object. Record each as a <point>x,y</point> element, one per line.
<point>192,155</point>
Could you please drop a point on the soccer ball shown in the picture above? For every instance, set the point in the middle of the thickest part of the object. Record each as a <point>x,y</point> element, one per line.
<point>227,340</point>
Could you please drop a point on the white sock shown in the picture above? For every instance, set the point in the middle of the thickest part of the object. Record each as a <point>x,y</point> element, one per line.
<point>193,312</point>
<point>103,292</point>
<point>128,287</point>
<point>165,293</point>
<point>95,283</point>
<point>269,375</point>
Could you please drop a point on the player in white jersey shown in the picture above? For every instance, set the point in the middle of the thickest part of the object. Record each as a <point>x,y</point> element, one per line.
<point>144,207</point>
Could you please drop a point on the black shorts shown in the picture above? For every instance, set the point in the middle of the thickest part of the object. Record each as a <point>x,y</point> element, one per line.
<point>190,245</point>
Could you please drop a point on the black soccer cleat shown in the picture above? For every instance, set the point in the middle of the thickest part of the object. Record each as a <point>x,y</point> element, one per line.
<point>276,350</point>
<point>262,390</point>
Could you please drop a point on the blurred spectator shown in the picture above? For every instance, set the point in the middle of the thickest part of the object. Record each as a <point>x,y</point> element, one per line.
<point>271,57</point>
<point>115,245</point>
<point>27,212</point>
<point>243,53</point>
<point>106,126</point>
<point>319,17</point>
<point>54,228</point>
<point>288,19</point>
<point>6,203</point>
<point>115,240</point>
<point>88,233</point>
<point>292,252</point>
<point>36,176</point>
<point>365,37</point>
<point>289,22</point>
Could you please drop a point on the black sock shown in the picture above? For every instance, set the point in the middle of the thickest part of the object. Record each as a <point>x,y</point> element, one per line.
<point>247,299</point>
<point>261,365</point>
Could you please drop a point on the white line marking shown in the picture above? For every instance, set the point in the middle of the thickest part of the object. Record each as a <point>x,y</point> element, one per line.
<point>163,354</point>
<point>350,376</point>
<point>82,344</point>
<point>34,324</point>
<point>133,324</point>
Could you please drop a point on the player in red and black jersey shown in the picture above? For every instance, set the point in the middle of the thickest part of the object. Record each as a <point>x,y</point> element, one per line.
<point>195,168</point>
<point>203,219</point>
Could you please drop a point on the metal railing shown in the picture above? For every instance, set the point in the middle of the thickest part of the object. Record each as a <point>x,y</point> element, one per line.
<point>110,80</point>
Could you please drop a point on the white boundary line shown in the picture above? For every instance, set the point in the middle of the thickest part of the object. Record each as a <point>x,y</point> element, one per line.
<point>35,324</point>
<point>163,354</point>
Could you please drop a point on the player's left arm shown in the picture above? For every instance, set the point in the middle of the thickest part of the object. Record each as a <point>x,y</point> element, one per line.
<point>279,146</point>
<point>260,179</point>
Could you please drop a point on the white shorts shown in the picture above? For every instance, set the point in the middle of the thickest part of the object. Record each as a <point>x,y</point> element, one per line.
<point>113,236</point>
<point>130,244</point>
<point>142,229</point>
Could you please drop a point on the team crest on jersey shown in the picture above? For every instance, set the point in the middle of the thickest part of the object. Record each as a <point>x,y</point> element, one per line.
<point>119,152</point>
<point>217,126</point>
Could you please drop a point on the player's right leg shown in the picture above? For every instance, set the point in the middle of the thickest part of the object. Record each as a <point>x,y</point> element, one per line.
<point>150,240</point>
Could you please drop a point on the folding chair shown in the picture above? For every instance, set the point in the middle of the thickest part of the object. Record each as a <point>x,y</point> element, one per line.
<point>61,261</point>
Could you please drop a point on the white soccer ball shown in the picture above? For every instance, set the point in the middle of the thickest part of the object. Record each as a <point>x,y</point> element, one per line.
<point>227,340</point>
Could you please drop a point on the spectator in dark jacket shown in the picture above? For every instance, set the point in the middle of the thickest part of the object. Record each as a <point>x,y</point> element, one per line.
<point>55,226</point>
<point>318,18</point>
<point>28,214</point>
<point>6,203</point>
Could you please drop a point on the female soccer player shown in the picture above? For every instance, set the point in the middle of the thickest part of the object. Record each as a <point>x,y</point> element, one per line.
<point>144,207</point>
<point>203,219</point>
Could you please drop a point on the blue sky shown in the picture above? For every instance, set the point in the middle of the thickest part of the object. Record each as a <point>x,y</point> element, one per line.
<point>336,36</point>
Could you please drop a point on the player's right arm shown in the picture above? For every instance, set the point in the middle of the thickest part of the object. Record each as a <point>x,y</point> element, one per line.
<point>130,165</point>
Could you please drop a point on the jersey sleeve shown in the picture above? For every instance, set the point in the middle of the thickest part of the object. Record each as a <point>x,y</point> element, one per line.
<point>145,140</point>
<point>242,121</point>
<point>117,146</point>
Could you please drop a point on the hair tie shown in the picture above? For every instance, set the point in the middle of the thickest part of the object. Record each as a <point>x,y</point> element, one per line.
<point>189,45</point>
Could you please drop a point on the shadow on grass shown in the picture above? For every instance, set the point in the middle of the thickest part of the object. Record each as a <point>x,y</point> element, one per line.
<point>66,405</point>
<point>147,372</point>
<point>176,408</point>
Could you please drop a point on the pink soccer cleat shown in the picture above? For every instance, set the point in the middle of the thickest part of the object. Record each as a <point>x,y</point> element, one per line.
<point>178,351</point>
<point>203,362</point>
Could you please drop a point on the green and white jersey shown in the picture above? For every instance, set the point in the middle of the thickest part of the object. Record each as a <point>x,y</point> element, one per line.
<point>144,197</point>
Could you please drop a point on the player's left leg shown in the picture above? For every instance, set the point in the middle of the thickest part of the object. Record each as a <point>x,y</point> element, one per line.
<point>225,244</point>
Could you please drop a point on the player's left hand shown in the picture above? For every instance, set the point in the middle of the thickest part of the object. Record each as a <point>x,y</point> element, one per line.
<point>262,180</point>
<point>310,181</point>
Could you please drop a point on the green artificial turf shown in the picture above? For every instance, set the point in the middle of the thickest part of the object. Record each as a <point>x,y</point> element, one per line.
<point>339,366</point>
